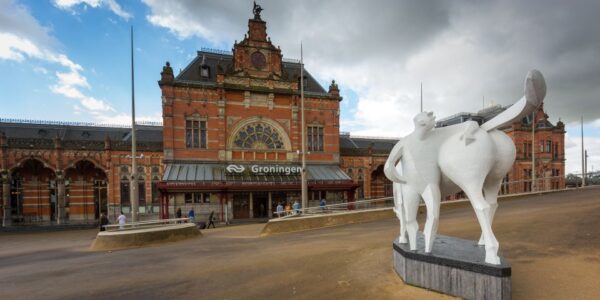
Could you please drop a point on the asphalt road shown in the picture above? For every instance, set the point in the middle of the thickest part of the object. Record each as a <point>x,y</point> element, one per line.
<point>552,242</point>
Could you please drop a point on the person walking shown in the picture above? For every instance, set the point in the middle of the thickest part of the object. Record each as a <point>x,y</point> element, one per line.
<point>279,210</point>
<point>322,204</point>
<point>122,219</point>
<point>192,215</point>
<point>211,220</point>
<point>297,207</point>
<point>288,209</point>
<point>178,214</point>
<point>103,222</point>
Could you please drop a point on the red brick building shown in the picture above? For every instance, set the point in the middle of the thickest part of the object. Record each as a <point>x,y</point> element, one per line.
<point>232,132</point>
<point>230,144</point>
<point>71,173</point>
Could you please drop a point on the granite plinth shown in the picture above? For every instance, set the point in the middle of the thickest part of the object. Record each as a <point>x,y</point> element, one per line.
<point>455,267</point>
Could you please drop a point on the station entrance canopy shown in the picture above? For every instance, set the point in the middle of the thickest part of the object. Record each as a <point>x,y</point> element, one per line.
<point>252,177</point>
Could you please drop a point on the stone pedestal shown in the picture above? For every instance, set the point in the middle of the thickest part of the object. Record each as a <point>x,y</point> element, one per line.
<point>455,267</point>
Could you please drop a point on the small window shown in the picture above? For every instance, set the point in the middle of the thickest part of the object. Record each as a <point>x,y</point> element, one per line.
<point>204,71</point>
<point>189,197</point>
<point>314,138</point>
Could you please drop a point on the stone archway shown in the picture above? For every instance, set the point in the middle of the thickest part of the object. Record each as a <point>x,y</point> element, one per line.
<point>86,194</point>
<point>380,185</point>
<point>33,196</point>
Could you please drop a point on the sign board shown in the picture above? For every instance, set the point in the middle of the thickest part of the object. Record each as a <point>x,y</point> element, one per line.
<point>265,169</point>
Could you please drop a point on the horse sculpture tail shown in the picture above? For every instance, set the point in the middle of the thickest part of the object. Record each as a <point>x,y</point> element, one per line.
<point>535,91</point>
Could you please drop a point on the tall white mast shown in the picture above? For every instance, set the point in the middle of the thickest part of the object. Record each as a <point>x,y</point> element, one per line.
<point>304,194</point>
<point>421,96</point>
<point>133,192</point>
<point>582,156</point>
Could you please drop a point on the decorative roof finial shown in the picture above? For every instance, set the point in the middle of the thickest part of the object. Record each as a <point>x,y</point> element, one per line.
<point>256,10</point>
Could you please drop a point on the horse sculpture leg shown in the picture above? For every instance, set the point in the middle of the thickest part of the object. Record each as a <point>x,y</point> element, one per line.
<point>410,199</point>
<point>490,192</point>
<point>400,211</point>
<point>431,197</point>
<point>482,211</point>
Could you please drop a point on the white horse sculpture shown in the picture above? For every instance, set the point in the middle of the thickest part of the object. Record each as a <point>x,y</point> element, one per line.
<point>438,162</point>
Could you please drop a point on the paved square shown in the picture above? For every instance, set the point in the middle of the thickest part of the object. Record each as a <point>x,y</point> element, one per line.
<point>349,262</point>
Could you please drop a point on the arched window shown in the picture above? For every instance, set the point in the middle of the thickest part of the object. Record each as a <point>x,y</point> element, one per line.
<point>258,136</point>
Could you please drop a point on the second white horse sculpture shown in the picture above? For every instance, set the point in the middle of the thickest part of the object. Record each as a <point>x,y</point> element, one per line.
<point>437,162</point>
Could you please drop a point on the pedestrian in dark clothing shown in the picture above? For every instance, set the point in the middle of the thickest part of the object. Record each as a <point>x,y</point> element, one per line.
<point>211,220</point>
<point>103,221</point>
<point>178,214</point>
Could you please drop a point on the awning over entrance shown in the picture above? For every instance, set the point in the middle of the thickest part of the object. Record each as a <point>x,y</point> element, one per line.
<point>222,176</point>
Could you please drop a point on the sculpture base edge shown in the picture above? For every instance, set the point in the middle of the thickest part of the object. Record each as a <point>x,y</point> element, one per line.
<point>455,267</point>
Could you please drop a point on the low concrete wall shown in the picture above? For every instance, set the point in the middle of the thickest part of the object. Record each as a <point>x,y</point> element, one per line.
<point>327,220</point>
<point>112,240</point>
<point>275,226</point>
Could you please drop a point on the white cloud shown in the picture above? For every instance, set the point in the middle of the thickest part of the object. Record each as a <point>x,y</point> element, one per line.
<point>573,153</point>
<point>110,4</point>
<point>20,42</point>
<point>461,51</point>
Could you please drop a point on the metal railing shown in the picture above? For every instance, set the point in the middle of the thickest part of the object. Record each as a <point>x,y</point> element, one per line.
<point>526,186</point>
<point>144,224</point>
<point>369,204</point>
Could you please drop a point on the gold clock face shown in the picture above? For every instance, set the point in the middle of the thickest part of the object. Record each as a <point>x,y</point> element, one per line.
<point>258,60</point>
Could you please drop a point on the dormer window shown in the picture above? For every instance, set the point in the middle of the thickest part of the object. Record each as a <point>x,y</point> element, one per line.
<point>204,72</point>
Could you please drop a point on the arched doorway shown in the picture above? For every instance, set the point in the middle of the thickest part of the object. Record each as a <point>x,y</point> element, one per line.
<point>380,185</point>
<point>33,192</point>
<point>85,192</point>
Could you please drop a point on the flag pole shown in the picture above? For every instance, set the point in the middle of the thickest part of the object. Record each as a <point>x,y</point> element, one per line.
<point>582,156</point>
<point>133,196</point>
<point>421,96</point>
<point>304,192</point>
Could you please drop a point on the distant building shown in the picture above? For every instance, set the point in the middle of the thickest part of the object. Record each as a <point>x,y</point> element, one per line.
<point>549,148</point>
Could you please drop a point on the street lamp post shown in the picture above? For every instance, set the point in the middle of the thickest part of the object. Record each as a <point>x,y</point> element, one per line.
<point>304,193</point>
<point>533,146</point>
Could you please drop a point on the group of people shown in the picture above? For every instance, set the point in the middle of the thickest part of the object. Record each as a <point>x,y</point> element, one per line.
<point>122,219</point>
<point>294,209</point>
<point>192,217</point>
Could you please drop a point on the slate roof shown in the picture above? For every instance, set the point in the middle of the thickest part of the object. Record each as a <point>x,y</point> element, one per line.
<point>487,114</point>
<point>480,117</point>
<point>350,145</point>
<point>149,138</point>
<point>191,73</point>
<point>42,135</point>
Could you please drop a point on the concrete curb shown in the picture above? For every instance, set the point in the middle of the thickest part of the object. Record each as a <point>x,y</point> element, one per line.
<point>113,240</point>
<point>276,226</point>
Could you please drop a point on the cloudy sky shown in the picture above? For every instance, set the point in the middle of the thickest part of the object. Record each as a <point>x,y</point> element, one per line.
<point>69,59</point>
